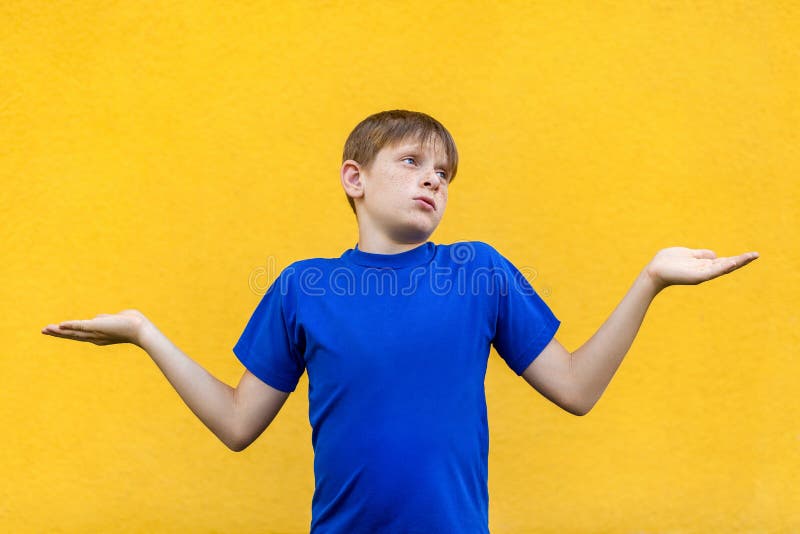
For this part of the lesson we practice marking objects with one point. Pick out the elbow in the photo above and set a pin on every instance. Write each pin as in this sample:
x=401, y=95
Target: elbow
x=579, y=405
x=579, y=411
x=236, y=441
x=579, y=399
x=236, y=445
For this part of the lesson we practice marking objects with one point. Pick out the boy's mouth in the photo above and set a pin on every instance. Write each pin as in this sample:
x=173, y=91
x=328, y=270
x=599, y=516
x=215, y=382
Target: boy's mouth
x=427, y=200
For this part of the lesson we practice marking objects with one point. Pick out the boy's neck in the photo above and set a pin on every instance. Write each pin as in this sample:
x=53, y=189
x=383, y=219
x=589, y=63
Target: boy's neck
x=384, y=246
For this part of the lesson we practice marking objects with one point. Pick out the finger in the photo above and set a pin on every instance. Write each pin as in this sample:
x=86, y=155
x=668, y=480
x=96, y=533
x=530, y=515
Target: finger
x=746, y=258
x=58, y=333
x=72, y=325
x=52, y=328
x=736, y=262
x=58, y=329
x=72, y=334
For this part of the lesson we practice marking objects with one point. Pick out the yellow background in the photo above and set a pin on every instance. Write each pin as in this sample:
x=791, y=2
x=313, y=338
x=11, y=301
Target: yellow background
x=157, y=155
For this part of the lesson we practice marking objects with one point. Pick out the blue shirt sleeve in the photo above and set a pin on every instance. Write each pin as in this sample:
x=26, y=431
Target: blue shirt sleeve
x=525, y=324
x=267, y=347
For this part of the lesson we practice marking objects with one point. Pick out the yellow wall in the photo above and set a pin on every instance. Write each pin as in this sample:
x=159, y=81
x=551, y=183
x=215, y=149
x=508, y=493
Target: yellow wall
x=156, y=154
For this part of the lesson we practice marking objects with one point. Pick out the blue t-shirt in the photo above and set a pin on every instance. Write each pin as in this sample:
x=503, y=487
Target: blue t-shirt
x=396, y=348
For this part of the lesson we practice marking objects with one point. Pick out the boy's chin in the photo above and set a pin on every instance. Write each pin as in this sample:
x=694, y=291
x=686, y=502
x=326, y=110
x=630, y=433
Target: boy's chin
x=423, y=237
x=416, y=235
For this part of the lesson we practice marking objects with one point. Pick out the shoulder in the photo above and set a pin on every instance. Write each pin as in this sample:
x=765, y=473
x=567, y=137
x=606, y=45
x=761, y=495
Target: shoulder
x=480, y=258
x=308, y=266
x=287, y=278
x=468, y=250
x=311, y=276
x=470, y=254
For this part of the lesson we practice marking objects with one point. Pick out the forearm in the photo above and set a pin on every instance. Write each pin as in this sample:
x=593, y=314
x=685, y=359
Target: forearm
x=211, y=400
x=595, y=362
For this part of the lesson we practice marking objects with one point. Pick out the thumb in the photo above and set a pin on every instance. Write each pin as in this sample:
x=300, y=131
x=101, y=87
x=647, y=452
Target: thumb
x=704, y=253
x=72, y=325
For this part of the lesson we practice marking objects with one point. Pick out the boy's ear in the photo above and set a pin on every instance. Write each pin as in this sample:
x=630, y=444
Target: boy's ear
x=352, y=179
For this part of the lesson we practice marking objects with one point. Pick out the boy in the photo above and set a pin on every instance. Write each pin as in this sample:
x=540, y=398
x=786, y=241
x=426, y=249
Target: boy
x=395, y=336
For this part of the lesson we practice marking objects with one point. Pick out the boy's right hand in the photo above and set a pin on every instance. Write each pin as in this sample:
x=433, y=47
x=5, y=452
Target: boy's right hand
x=105, y=329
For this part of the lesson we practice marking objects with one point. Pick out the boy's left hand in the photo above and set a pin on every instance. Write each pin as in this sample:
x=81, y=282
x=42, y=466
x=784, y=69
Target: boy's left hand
x=687, y=266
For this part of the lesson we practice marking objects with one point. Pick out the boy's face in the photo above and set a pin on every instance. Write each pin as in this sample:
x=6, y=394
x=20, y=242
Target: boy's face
x=387, y=192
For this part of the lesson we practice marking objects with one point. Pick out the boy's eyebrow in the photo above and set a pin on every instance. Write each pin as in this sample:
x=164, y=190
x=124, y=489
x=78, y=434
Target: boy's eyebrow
x=418, y=149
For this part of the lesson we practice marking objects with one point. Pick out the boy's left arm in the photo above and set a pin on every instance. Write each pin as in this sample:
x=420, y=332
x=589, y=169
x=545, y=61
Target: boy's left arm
x=576, y=381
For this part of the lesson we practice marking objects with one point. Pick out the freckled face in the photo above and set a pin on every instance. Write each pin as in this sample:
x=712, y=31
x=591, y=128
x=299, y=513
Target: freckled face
x=399, y=175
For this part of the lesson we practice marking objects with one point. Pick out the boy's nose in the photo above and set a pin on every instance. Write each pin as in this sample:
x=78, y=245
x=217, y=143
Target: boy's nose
x=433, y=179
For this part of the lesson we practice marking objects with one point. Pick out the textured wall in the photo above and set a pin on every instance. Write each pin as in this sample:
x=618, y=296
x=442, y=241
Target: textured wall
x=156, y=155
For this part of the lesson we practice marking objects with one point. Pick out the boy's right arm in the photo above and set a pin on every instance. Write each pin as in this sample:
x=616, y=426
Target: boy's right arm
x=256, y=405
x=236, y=416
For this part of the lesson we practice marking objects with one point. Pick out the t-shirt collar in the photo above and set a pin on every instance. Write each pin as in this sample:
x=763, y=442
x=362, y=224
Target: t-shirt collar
x=410, y=258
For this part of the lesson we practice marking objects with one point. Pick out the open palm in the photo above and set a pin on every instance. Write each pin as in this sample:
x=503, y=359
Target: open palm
x=104, y=329
x=686, y=266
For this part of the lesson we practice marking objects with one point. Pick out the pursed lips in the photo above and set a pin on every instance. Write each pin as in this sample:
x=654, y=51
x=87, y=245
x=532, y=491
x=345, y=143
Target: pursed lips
x=428, y=200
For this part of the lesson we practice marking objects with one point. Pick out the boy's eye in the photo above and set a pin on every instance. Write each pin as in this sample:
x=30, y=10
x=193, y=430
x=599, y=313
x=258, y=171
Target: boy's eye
x=442, y=173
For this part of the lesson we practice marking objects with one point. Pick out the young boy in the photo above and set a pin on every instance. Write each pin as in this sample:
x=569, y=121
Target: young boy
x=395, y=335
